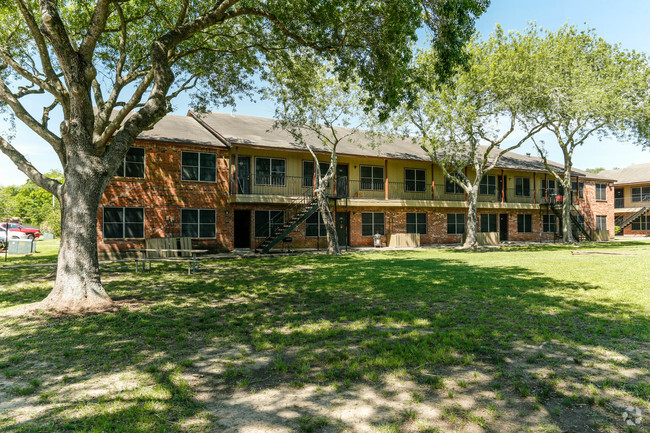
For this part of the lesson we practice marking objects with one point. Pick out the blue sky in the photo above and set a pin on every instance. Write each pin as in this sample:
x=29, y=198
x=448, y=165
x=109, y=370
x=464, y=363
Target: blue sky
x=622, y=21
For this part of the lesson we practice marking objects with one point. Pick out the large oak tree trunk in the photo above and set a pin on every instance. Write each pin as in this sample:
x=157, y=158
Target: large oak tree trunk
x=78, y=285
x=472, y=219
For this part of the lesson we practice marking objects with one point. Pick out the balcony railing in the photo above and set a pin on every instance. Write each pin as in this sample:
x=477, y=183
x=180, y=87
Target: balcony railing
x=619, y=202
x=640, y=198
x=286, y=186
x=294, y=186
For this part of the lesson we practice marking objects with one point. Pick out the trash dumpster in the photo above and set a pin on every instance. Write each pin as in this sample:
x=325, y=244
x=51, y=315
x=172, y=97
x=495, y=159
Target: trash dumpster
x=21, y=246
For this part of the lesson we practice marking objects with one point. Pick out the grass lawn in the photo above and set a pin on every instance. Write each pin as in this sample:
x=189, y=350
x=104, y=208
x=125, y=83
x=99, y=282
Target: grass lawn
x=521, y=339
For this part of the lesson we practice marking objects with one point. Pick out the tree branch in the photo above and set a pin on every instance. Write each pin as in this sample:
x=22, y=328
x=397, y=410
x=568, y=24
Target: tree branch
x=51, y=185
x=276, y=21
x=43, y=52
x=94, y=30
x=19, y=110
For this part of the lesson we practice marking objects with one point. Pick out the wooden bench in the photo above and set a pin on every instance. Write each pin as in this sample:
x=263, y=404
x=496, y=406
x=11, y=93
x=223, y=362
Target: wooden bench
x=168, y=250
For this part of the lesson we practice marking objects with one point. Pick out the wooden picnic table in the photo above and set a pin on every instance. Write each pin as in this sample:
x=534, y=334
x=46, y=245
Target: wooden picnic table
x=193, y=262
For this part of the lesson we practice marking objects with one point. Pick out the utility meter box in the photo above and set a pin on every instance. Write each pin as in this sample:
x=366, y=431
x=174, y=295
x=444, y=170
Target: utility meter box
x=377, y=239
x=21, y=246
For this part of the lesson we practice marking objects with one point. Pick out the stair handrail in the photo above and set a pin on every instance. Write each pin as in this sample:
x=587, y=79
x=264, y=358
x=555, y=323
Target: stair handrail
x=627, y=221
x=584, y=226
x=292, y=208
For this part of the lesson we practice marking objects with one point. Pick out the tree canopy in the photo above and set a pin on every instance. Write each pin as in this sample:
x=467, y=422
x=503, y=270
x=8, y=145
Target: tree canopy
x=113, y=67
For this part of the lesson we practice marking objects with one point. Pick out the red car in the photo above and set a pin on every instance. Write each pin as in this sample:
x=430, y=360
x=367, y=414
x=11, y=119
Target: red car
x=31, y=233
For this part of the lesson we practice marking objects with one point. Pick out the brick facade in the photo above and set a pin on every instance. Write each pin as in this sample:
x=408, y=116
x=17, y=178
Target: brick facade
x=163, y=195
x=592, y=207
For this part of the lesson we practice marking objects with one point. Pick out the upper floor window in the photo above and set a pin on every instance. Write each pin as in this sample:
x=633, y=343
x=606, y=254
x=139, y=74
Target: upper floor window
x=133, y=164
x=548, y=187
x=270, y=171
x=640, y=194
x=414, y=180
x=522, y=186
x=201, y=167
x=308, y=172
x=199, y=223
x=452, y=187
x=601, y=191
x=372, y=177
x=123, y=223
x=488, y=185
x=578, y=187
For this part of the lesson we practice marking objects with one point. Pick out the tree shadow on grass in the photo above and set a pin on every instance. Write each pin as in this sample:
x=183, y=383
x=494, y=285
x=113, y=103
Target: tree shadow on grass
x=341, y=325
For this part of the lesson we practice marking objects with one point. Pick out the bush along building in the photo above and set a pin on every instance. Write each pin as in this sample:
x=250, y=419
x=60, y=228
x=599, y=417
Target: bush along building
x=231, y=181
x=631, y=199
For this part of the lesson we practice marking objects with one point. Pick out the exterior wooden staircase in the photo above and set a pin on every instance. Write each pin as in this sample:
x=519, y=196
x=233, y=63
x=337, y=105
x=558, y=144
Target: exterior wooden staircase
x=298, y=211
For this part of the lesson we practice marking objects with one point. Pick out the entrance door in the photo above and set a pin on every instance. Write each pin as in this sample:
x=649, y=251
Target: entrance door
x=342, y=225
x=619, y=198
x=242, y=229
x=342, y=180
x=244, y=175
x=503, y=226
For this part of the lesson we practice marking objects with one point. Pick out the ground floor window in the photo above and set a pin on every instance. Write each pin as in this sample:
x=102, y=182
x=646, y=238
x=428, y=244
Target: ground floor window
x=199, y=223
x=549, y=223
x=455, y=223
x=372, y=223
x=416, y=222
x=525, y=223
x=266, y=221
x=641, y=223
x=489, y=222
x=601, y=222
x=123, y=223
x=314, y=226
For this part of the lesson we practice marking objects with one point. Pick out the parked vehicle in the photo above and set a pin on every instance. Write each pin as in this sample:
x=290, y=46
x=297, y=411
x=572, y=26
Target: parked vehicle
x=13, y=234
x=31, y=233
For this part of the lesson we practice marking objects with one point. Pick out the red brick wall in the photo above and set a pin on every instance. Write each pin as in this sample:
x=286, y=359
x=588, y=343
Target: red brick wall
x=162, y=194
x=592, y=207
x=395, y=222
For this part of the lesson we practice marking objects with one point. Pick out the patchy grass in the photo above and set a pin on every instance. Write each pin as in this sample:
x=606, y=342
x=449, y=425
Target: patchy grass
x=517, y=339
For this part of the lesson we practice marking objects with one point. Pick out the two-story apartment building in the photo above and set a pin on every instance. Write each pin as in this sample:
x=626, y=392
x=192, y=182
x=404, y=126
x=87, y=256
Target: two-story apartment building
x=228, y=181
x=632, y=198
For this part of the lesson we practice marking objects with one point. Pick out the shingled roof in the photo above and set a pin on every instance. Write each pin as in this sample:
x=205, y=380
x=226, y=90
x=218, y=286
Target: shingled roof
x=637, y=173
x=260, y=132
x=181, y=129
